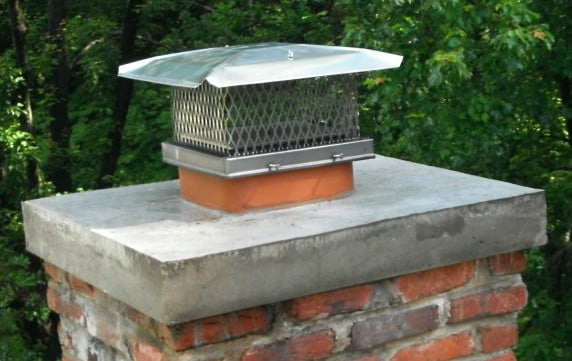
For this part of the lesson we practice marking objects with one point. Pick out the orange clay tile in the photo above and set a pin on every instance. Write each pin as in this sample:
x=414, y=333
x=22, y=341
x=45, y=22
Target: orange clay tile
x=268, y=190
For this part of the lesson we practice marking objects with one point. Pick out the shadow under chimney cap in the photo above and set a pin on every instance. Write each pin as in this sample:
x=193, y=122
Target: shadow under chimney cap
x=256, y=63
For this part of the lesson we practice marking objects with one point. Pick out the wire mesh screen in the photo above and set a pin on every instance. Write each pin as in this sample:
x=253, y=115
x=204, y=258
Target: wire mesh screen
x=269, y=117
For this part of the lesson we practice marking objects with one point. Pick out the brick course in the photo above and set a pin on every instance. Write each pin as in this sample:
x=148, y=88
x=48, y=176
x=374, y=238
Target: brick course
x=329, y=303
x=212, y=329
x=300, y=348
x=422, y=284
x=443, y=314
x=248, y=321
x=488, y=303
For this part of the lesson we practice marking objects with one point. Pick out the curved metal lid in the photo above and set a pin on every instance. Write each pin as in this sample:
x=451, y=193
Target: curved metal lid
x=256, y=63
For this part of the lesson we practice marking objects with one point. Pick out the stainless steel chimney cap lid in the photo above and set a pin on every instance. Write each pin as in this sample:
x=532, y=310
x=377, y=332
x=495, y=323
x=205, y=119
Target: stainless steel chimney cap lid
x=256, y=63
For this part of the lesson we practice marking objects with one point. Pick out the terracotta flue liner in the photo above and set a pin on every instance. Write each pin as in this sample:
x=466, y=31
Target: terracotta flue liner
x=265, y=191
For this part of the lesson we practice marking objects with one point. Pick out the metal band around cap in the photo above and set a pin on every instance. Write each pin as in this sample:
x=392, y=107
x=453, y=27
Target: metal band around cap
x=236, y=167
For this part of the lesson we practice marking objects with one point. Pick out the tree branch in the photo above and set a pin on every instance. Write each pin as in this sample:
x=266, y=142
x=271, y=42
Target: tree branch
x=569, y=169
x=555, y=137
x=90, y=45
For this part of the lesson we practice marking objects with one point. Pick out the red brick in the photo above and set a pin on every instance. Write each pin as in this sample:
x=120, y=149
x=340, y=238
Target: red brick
x=214, y=329
x=108, y=333
x=510, y=300
x=330, y=303
x=507, y=356
x=422, y=284
x=145, y=352
x=498, y=338
x=57, y=304
x=313, y=347
x=178, y=337
x=248, y=321
x=379, y=330
x=488, y=303
x=299, y=348
x=80, y=285
x=444, y=349
x=211, y=330
x=468, y=308
x=507, y=263
x=54, y=272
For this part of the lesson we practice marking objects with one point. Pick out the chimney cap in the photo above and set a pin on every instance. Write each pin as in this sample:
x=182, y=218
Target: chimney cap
x=256, y=63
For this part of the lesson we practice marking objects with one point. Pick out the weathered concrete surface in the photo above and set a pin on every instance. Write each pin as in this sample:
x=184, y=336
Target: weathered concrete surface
x=177, y=261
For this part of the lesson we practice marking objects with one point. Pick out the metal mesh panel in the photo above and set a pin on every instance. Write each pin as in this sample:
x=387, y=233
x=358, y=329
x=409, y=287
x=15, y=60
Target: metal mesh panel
x=267, y=117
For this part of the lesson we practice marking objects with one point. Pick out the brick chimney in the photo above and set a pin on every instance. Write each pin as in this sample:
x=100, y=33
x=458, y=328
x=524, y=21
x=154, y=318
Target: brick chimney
x=418, y=264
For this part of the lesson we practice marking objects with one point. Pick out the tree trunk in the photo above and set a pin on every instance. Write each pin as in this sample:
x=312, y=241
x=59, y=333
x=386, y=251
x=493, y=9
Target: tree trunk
x=123, y=95
x=59, y=163
x=19, y=30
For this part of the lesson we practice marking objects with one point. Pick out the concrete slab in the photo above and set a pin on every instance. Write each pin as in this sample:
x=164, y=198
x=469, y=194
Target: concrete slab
x=177, y=261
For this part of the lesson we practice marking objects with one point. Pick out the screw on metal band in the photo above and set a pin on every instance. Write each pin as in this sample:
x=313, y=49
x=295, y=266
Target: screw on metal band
x=273, y=167
x=337, y=156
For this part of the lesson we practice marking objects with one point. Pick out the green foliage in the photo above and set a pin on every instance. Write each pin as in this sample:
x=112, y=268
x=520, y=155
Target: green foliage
x=22, y=304
x=546, y=333
x=148, y=124
x=21, y=297
x=482, y=89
